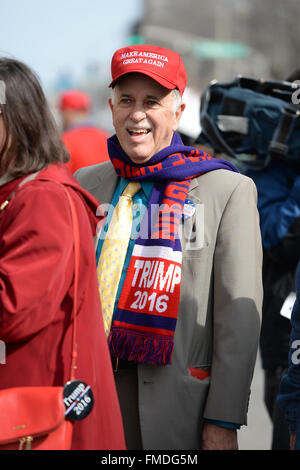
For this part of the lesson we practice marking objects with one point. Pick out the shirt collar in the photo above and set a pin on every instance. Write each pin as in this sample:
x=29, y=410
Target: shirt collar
x=147, y=186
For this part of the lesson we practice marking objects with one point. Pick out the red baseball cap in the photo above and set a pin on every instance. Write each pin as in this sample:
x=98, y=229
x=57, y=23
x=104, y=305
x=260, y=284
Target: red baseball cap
x=73, y=99
x=163, y=65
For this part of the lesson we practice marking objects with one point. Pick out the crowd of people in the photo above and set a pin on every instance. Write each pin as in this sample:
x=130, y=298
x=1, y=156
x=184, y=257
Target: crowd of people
x=166, y=280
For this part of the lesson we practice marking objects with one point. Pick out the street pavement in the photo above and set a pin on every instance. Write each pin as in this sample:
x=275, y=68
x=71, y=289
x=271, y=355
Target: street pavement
x=257, y=435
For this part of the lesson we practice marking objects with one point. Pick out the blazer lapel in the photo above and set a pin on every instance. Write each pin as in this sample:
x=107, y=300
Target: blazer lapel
x=104, y=183
x=194, y=184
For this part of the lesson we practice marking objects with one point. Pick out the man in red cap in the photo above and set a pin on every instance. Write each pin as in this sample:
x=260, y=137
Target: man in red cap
x=179, y=266
x=86, y=143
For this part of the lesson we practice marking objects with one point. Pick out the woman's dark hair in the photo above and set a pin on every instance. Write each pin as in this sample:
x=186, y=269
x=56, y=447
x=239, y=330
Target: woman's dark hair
x=32, y=137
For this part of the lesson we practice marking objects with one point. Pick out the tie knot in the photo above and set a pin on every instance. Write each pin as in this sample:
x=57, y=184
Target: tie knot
x=131, y=189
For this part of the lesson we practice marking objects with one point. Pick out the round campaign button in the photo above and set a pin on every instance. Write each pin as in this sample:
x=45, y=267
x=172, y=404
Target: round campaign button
x=189, y=209
x=78, y=400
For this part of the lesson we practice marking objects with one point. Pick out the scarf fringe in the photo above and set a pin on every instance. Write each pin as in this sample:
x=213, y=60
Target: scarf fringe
x=140, y=347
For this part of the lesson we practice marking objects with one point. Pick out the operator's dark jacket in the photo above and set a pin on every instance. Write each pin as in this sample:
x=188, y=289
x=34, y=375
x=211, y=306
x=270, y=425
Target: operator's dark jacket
x=279, y=207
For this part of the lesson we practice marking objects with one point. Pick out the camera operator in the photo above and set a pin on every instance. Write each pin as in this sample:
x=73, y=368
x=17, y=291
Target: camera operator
x=278, y=187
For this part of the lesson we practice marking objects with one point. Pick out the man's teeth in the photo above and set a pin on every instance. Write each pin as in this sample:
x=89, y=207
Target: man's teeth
x=138, y=131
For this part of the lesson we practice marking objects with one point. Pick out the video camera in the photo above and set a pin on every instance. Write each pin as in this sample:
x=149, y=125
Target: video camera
x=252, y=121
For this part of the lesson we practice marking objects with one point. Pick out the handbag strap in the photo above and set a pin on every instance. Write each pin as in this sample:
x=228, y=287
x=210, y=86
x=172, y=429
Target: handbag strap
x=30, y=177
x=76, y=239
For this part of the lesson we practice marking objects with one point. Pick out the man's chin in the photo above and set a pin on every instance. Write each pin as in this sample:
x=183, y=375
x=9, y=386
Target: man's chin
x=139, y=158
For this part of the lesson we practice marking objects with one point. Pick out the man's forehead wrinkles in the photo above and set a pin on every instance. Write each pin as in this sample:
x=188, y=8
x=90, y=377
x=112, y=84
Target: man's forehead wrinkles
x=145, y=95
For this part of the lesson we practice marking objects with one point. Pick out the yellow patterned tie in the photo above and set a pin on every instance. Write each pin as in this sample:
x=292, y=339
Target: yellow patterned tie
x=113, y=253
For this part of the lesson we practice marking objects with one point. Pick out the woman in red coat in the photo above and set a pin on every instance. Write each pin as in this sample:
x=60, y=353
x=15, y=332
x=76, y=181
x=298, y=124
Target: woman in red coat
x=37, y=263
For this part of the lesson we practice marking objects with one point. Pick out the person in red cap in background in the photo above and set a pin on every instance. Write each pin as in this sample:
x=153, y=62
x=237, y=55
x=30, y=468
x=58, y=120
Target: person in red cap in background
x=86, y=143
x=179, y=266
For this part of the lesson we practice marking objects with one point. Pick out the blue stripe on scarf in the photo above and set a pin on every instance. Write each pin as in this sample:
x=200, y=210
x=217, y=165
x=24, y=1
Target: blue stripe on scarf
x=145, y=319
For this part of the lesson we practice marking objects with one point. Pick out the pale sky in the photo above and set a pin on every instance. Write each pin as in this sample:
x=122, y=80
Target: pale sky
x=53, y=36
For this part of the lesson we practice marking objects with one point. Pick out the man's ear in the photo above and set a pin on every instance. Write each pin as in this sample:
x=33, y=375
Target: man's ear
x=178, y=115
x=110, y=104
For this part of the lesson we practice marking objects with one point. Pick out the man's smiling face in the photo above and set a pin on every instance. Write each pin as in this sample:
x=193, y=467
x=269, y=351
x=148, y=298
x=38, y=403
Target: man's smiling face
x=144, y=116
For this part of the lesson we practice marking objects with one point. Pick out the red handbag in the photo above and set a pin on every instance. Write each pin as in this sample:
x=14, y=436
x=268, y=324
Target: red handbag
x=34, y=417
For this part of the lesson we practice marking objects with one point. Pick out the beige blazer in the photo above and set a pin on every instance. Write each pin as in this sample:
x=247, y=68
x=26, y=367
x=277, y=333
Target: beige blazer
x=219, y=315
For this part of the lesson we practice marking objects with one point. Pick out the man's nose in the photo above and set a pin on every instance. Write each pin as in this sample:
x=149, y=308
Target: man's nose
x=137, y=114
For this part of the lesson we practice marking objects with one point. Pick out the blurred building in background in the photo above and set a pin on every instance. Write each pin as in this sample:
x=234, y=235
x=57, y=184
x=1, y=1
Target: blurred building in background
x=218, y=39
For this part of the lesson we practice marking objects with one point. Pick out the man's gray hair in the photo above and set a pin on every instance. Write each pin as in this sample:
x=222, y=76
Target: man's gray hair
x=177, y=99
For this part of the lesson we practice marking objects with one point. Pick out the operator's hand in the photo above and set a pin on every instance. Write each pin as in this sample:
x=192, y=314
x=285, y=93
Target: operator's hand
x=292, y=441
x=218, y=438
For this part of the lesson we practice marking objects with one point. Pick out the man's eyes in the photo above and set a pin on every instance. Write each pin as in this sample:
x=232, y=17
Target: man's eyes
x=149, y=103
x=152, y=102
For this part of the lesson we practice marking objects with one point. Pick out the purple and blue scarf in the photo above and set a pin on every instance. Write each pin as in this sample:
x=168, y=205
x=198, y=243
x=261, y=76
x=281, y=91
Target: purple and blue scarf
x=145, y=319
